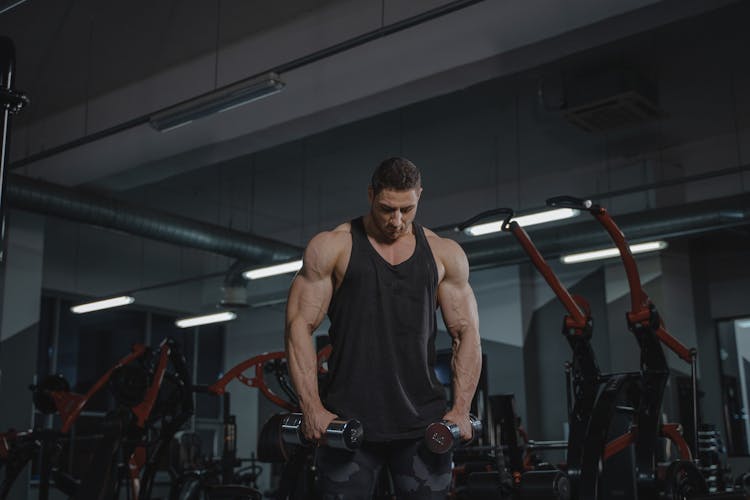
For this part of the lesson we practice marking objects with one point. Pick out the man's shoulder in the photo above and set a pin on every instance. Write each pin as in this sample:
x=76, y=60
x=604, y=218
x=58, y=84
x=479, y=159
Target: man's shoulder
x=346, y=228
x=448, y=254
x=326, y=250
x=334, y=238
x=441, y=245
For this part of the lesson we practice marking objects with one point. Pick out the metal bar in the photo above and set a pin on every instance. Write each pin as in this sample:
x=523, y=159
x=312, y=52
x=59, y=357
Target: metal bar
x=568, y=395
x=694, y=396
x=547, y=445
x=7, y=66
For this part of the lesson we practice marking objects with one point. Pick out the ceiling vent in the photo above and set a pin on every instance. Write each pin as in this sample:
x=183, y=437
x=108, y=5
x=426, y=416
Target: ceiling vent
x=610, y=100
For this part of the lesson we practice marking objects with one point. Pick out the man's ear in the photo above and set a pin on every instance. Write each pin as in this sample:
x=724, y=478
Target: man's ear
x=370, y=194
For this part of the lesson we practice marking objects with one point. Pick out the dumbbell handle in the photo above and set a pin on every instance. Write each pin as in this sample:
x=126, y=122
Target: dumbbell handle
x=341, y=434
x=442, y=436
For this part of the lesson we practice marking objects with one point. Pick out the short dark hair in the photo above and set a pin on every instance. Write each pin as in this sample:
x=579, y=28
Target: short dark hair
x=396, y=173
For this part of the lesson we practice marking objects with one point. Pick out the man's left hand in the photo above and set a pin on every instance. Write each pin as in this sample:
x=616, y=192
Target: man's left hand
x=464, y=423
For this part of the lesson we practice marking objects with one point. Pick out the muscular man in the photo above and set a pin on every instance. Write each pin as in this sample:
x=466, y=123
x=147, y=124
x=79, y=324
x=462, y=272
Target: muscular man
x=380, y=279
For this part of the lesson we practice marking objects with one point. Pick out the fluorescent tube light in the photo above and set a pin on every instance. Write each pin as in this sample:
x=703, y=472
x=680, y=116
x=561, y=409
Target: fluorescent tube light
x=607, y=253
x=222, y=99
x=102, y=304
x=9, y=5
x=523, y=220
x=205, y=319
x=743, y=323
x=265, y=272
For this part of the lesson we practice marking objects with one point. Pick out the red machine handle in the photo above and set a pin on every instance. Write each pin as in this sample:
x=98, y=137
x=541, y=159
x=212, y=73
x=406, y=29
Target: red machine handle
x=639, y=301
x=70, y=404
x=640, y=304
x=258, y=381
x=576, y=319
x=143, y=410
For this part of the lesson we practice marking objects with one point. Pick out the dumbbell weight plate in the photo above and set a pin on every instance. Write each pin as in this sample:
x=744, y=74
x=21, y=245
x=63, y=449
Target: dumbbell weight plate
x=291, y=433
x=271, y=447
x=441, y=437
x=344, y=434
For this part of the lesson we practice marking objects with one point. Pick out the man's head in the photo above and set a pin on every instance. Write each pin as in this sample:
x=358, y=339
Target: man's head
x=398, y=174
x=394, y=194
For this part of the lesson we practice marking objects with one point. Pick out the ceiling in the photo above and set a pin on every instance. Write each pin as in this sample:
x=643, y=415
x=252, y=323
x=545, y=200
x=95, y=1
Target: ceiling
x=95, y=72
x=363, y=77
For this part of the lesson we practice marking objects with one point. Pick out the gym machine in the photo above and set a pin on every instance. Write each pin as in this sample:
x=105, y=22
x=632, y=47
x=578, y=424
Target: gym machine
x=597, y=398
x=217, y=477
x=638, y=393
x=225, y=476
x=140, y=428
x=683, y=478
x=586, y=380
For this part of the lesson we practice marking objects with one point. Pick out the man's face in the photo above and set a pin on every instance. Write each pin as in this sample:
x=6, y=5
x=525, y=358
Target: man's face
x=393, y=211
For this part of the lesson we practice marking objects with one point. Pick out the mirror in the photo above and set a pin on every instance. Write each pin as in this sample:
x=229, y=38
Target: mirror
x=734, y=355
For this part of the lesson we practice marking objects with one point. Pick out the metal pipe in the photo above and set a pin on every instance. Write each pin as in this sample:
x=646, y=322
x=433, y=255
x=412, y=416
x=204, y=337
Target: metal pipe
x=90, y=208
x=82, y=206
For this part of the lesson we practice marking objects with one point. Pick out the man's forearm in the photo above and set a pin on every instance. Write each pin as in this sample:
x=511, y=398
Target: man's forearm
x=303, y=367
x=467, y=367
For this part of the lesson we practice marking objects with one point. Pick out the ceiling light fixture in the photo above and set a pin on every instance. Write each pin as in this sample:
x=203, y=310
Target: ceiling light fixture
x=265, y=272
x=607, y=253
x=523, y=220
x=206, y=319
x=220, y=100
x=102, y=304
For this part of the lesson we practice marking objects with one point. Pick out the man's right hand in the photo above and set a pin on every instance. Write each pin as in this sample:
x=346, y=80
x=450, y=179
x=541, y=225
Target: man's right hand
x=316, y=422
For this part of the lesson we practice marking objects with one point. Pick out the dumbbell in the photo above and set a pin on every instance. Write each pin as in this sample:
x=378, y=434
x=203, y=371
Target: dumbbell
x=441, y=437
x=341, y=434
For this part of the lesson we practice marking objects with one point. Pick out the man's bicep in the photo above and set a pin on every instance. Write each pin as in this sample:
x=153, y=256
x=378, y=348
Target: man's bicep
x=456, y=298
x=458, y=306
x=308, y=300
x=312, y=288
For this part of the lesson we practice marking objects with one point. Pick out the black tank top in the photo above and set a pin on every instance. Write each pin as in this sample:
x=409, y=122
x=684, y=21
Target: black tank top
x=383, y=326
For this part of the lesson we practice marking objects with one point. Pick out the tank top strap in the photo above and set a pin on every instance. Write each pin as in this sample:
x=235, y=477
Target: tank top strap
x=419, y=233
x=359, y=235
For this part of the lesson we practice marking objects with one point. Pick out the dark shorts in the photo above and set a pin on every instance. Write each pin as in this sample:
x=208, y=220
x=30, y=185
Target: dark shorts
x=416, y=472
